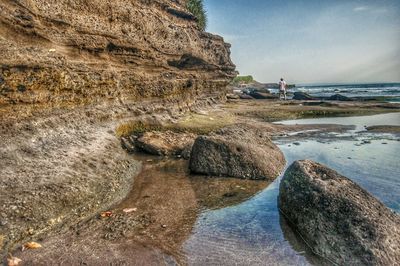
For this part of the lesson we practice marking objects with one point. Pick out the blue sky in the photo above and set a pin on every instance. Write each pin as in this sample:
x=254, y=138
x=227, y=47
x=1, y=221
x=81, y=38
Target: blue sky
x=311, y=41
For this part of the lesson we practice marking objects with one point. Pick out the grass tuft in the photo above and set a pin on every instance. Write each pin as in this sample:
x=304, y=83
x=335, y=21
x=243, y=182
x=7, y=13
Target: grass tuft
x=192, y=123
x=196, y=7
x=134, y=128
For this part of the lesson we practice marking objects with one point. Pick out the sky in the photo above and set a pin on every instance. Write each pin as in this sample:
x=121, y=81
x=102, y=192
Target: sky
x=311, y=41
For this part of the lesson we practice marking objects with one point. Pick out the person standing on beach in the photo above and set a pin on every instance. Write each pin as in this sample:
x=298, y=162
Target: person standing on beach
x=282, y=89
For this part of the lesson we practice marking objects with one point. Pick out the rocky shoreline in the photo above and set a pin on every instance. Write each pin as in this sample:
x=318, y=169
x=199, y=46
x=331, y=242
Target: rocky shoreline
x=164, y=143
x=70, y=75
x=85, y=90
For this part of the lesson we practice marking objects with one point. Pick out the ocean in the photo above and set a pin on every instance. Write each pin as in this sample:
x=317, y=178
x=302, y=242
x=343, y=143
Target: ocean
x=390, y=91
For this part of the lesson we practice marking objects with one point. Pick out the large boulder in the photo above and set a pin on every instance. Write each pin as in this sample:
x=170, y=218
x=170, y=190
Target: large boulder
x=245, y=97
x=339, y=97
x=240, y=151
x=262, y=95
x=302, y=96
x=164, y=143
x=338, y=219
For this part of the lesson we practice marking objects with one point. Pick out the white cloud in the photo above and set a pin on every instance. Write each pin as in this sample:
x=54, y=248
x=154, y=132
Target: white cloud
x=361, y=8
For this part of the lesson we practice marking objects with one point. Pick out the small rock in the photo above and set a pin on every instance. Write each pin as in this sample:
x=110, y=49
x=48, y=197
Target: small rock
x=106, y=214
x=129, y=210
x=128, y=144
x=13, y=261
x=31, y=245
x=164, y=143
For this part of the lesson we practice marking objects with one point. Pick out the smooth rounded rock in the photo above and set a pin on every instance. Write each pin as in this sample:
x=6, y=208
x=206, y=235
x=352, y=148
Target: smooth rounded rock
x=298, y=95
x=337, y=218
x=239, y=151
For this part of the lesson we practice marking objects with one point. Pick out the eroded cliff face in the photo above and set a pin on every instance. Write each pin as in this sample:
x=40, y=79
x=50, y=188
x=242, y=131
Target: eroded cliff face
x=70, y=72
x=68, y=52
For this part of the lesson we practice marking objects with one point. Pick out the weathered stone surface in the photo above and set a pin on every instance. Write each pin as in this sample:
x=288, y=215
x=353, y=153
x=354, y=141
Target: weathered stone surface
x=232, y=96
x=339, y=97
x=67, y=53
x=262, y=95
x=165, y=143
x=240, y=151
x=70, y=72
x=298, y=95
x=245, y=97
x=337, y=218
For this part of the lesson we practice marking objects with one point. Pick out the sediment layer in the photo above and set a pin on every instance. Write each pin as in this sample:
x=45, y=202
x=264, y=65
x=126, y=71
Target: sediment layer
x=70, y=73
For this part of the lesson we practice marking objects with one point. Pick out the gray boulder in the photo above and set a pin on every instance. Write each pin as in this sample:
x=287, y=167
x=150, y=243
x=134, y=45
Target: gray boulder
x=298, y=95
x=245, y=97
x=338, y=219
x=339, y=97
x=240, y=151
x=263, y=95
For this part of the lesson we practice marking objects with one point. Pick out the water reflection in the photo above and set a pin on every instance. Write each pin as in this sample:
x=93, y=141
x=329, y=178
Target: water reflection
x=249, y=233
x=360, y=122
x=297, y=243
x=170, y=196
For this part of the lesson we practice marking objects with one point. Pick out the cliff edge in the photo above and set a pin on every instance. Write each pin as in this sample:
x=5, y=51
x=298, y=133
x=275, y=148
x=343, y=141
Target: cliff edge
x=91, y=51
x=70, y=72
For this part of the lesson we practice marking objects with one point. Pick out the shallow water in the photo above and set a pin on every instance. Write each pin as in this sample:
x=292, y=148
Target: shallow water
x=254, y=233
x=360, y=122
x=389, y=92
x=355, y=90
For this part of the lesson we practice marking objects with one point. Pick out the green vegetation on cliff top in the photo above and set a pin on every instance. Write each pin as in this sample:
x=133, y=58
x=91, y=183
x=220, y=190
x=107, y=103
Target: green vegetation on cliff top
x=243, y=79
x=196, y=7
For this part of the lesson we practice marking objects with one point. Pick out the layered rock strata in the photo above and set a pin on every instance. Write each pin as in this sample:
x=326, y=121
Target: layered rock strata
x=70, y=73
x=90, y=51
